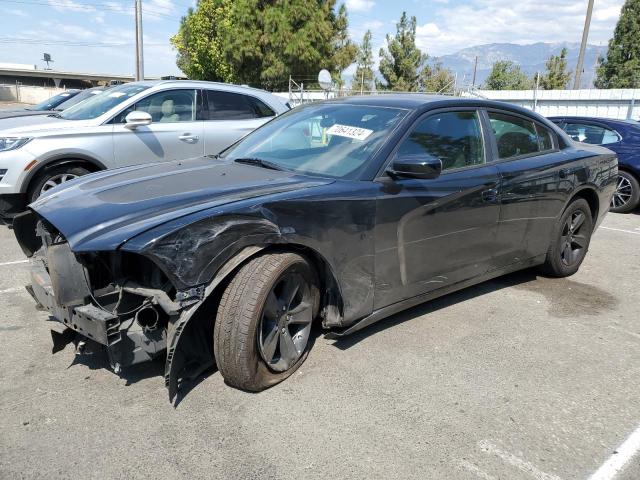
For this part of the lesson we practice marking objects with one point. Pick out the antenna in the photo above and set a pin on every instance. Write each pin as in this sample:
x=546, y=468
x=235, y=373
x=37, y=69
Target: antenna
x=46, y=57
x=324, y=79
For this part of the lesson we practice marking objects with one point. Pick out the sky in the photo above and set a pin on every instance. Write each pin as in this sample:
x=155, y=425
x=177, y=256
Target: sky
x=98, y=35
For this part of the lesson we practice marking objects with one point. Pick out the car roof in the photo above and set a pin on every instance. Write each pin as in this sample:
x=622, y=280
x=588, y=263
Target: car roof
x=419, y=101
x=196, y=84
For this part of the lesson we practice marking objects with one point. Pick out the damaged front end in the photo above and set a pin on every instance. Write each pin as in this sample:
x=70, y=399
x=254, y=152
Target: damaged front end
x=118, y=301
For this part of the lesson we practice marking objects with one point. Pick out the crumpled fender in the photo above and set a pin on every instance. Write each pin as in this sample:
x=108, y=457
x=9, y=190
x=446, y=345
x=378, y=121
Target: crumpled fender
x=189, y=355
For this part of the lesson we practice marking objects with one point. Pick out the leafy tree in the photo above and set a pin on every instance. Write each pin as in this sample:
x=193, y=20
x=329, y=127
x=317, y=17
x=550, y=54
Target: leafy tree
x=261, y=43
x=505, y=75
x=621, y=67
x=198, y=41
x=363, y=77
x=402, y=62
x=437, y=79
x=556, y=76
x=345, y=51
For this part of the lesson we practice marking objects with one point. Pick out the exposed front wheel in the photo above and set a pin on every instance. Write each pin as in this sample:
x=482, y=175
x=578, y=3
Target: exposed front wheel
x=627, y=194
x=263, y=326
x=570, y=240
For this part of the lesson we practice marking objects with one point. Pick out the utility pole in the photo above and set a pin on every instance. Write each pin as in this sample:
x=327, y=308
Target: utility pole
x=583, y=46
x=475, y=69
x=139, y=53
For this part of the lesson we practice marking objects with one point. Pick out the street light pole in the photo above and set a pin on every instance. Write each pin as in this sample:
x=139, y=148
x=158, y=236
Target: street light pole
x=583, y=46
x=139, y=53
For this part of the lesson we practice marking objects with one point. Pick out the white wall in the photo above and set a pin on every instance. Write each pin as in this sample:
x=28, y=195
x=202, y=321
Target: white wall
x=26, y=93
x=614, y=103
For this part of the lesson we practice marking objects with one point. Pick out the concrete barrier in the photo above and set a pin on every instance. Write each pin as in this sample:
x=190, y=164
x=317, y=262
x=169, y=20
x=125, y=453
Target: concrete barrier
x=26, y=93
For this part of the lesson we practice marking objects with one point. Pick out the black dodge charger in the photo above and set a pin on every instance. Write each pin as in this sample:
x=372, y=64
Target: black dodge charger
x=342, y=212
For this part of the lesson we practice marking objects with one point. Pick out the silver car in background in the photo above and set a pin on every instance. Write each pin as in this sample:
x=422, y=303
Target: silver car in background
x=134, y=123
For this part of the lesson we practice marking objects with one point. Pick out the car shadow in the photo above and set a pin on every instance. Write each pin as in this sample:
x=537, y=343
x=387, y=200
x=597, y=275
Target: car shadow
x=133, y=374
x=510, y=280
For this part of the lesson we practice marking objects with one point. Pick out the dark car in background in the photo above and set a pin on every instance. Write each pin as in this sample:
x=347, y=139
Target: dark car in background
x=57, y=103
x=620, y=136
x=344, y=212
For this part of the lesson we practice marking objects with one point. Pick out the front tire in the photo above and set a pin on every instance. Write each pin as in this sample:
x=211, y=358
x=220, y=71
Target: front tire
x=52, y=178
x=262, y=332
x=570, y=240
x=627, y=194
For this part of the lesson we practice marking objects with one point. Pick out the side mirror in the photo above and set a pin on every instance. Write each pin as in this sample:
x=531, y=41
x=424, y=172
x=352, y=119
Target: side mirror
x=422, y=166
x=137, y=119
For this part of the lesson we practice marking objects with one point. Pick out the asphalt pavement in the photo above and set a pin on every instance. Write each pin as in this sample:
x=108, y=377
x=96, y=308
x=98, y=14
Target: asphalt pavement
x=522, y=378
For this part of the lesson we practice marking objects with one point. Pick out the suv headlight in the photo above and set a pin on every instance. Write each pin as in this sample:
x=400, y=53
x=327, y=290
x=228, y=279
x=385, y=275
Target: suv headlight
x=11, y=143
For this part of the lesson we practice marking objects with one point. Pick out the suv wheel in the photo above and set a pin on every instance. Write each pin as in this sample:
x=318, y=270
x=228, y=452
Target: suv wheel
x=263, y=326
x=570, y=240
x=627, y=194
x=52, y=178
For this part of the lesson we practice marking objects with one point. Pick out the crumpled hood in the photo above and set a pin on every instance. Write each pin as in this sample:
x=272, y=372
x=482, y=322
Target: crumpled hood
x=101, y=211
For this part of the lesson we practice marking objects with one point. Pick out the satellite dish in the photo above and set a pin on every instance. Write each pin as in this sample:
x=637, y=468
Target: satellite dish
x=324, y=79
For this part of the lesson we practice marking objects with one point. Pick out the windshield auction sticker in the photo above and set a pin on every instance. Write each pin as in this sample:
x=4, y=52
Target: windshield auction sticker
x=349, y=132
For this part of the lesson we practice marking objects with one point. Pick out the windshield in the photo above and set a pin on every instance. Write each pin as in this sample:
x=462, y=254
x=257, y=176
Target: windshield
x=334, y=140
x=53, y=102
x=102, y=103
x=83, y=95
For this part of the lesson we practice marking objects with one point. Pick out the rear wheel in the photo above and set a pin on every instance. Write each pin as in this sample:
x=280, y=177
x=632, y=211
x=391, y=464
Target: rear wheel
x=627, y=194
x=53, y=177
x=570, y=240
x=263, y=326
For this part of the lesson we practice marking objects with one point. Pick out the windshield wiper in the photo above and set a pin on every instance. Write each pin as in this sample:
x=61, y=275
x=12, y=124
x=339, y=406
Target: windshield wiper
x=54, y=115
x=258, y=162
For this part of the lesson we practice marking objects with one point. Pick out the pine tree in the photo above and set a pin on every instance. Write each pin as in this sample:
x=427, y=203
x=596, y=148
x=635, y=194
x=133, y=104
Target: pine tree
x=363, y=77
x=621, y=67
x=505, y=75
x=556, y=76
x=261, y=43
x=402, y=62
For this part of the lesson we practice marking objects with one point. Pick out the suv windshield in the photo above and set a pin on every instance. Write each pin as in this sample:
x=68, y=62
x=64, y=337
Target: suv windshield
x=53, y=102
x=102, y=103
x=334, y=140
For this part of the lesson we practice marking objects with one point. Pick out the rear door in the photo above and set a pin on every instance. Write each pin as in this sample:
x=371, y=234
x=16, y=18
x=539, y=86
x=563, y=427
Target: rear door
x=535, y=180
x=230, y=116
x=437, y=232
x=176, y=131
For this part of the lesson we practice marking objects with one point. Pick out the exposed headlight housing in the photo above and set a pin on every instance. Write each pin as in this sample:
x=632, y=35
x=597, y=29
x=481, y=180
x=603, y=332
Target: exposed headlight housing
x=11, y=143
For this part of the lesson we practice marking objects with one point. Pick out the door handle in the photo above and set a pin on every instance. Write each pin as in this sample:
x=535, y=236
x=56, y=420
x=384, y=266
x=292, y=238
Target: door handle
x=490, y=195
x=188, y=138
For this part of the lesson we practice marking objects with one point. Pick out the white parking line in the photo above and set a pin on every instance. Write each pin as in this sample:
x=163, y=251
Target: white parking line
x=621, y=230
x=16, y=262
x=12, y=290
x=616, y=462
x=517, y=462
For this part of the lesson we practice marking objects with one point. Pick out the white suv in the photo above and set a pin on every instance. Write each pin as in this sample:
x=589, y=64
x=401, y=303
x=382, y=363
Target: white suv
x=138, y=122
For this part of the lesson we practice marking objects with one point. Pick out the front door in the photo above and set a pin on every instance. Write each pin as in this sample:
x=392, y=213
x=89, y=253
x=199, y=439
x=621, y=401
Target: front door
x=438, y=232
x=176, y=131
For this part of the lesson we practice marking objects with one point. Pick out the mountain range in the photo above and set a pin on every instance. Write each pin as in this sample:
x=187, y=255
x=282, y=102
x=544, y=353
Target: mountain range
x=531, y=58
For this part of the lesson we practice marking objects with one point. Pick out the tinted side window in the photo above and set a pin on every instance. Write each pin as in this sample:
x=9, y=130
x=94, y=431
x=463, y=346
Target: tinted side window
x=261, y=108
x=170, y=106
x=229, y=106
x=544, y=138
x=514, y=135
x=590, y=134
x=453, y=137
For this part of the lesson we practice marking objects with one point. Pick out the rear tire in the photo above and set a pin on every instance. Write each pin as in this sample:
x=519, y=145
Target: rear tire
x=627, y=194
x=53, y=177
x=262, y=332
x=570, y=240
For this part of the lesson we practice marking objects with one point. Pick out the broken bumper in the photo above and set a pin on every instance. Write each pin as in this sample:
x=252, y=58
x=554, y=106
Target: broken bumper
x=126, y=342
